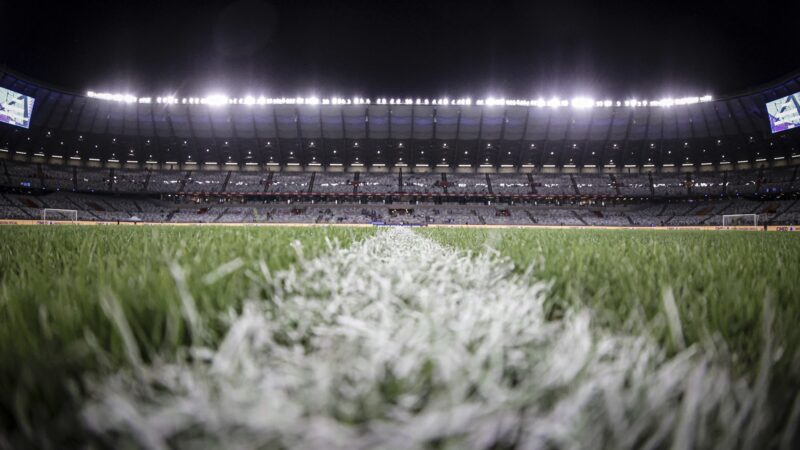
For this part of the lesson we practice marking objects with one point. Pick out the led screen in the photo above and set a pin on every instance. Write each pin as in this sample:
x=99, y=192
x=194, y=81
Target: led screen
x=15, y=108
x=784, y=113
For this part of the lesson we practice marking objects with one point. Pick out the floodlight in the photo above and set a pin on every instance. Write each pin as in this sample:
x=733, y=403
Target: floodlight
x=582, y=103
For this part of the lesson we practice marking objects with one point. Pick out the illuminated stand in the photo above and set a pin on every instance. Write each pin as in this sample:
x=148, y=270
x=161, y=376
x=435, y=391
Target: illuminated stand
x=50, y=215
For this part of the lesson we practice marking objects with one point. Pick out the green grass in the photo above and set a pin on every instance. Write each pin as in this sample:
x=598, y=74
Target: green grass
x=58, y=286
x=719, y=280
x=53, y=280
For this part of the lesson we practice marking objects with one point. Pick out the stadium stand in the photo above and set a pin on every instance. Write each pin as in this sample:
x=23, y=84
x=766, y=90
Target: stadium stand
x=670, y=186
x=476, y=184
x=247, y=182
x=510, y=184
x=378, y=183
x=91, y=180
x=165, y=181
x=778, y=180
x=706, y=184
x=556, y=216
x=205, y=181
x=595, y=185
x=129, y=180
x=423, y=183
x=686, y=164
x=233, y=196
x=552, y=184
x=112, y=208
x=22, y=175
x=634, y=185
x=744, y=182
x=58, y=178
x=333, y=183
x=290, y=183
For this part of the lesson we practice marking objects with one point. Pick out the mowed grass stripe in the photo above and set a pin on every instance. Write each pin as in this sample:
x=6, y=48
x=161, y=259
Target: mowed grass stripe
x=53, y=329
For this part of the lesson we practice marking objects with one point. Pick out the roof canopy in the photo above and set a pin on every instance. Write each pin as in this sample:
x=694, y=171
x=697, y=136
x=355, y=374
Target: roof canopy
x=68, y=125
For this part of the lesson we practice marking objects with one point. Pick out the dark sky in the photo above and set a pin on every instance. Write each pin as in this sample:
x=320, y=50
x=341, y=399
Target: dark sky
x=402, y=48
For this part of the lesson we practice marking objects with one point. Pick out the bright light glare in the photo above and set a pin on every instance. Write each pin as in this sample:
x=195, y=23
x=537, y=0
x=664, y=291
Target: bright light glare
x=554, y=102
x=582, y=103
x=215, y=100
x=123, y=98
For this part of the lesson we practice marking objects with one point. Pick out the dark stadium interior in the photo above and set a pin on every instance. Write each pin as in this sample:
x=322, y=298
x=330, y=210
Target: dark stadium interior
x=511, y=48
x=399, y=224
x=508, y=49
x=608, y=161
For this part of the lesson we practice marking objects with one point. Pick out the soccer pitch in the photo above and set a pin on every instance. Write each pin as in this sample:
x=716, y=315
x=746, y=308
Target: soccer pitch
x=243, y=337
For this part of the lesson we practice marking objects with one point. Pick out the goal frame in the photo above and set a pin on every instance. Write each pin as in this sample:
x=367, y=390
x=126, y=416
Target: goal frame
x=726, y=218
x=72, y=212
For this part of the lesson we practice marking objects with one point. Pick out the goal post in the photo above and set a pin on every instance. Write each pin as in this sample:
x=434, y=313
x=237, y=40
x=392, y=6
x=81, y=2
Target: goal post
x=50, y=215
x=740, y=220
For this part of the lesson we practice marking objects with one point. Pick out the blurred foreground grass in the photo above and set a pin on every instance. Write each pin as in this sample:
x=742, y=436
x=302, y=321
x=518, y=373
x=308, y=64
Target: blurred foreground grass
x=54, y=281
x=59, y=287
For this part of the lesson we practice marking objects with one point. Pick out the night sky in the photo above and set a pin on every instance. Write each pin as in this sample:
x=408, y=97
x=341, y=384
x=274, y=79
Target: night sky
x=518, y=49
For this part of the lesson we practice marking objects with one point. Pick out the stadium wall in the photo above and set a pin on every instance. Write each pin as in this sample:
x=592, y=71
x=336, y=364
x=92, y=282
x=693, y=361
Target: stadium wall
x=785, y=228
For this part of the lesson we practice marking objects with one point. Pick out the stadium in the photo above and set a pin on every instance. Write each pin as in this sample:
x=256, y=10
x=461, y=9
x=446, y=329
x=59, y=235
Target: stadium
x=581, y=162
x=326, y=271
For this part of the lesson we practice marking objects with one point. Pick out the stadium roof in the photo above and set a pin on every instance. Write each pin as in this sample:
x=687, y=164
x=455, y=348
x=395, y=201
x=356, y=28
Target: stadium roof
x=74, y=126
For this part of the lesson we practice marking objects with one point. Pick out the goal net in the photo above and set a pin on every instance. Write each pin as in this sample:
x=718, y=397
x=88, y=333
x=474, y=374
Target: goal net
x=740, y=220
x=50, y=215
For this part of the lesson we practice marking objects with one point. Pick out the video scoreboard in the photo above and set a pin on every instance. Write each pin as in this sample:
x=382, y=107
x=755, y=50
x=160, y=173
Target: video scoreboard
x=15, y=108
x=784, y=113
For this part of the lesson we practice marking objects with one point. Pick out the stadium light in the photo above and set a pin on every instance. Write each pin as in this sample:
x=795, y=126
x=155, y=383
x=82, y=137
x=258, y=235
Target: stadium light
x=122, y=98
x=582, y=103
x=554, y=102
x=215, y=100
